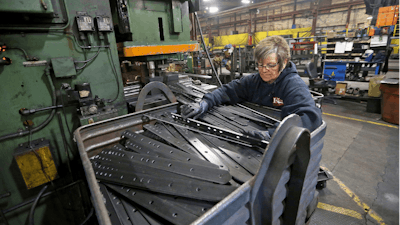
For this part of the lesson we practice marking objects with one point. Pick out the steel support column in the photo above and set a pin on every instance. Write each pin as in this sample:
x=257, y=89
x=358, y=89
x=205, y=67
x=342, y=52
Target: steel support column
x=235, y=23
x=255, y=22
x=315, y=17
x=294, y=15
x=348, y=16
x=218, y=25
x=209, y=31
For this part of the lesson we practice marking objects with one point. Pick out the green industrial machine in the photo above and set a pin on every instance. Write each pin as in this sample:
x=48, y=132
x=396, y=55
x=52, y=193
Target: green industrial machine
x=60, y=68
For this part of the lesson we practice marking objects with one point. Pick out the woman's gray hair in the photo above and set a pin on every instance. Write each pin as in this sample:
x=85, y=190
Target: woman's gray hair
x=273, y=44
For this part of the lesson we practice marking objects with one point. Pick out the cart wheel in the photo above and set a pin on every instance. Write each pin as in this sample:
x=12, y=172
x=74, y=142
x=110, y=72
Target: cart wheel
x=321, y=185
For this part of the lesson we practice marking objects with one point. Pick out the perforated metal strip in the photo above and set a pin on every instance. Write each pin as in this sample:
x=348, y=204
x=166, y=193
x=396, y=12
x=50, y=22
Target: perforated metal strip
x=145, y=145
x=173, y=166
x=214, y=131
x=134, y=214
x=194, y=206
x=119, y=209
x=163, y=133
x=107, y=201
x=187, y=187
x=162, y=208
x=246, y=160
x=235, y=170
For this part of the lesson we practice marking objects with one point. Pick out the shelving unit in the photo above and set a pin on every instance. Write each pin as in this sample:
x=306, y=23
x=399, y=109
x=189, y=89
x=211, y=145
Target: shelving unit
x=303, y=50
x=361, y=43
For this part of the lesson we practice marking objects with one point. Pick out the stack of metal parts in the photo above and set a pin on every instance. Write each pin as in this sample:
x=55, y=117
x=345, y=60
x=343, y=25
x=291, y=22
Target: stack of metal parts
x=132, y=90
x=177, y=169
x=236, y=121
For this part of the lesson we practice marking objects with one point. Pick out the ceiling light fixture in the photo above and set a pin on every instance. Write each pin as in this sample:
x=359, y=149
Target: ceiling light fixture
x=213, y=9
x=246, y=1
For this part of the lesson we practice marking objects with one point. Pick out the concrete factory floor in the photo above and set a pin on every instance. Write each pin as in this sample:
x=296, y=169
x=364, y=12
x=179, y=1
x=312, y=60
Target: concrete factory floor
x=362, y=152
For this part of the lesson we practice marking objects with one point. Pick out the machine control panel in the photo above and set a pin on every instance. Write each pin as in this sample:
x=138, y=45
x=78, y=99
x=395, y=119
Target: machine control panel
x=104, y=23
x=84, y=22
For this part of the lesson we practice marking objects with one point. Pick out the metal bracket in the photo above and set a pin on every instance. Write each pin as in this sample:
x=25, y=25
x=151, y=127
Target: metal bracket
x=149, y=87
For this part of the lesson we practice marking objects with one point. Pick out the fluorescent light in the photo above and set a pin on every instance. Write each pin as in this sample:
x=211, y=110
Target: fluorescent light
x=246, y=1
x=369, y=18
x=206, y=0
x=213, y=9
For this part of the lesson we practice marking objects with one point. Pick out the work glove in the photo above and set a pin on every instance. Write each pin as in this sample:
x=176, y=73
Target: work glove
x=194, y=110
x=263, y=135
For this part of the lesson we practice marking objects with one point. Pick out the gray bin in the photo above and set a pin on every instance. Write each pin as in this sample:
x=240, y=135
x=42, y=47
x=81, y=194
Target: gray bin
x=259, y=200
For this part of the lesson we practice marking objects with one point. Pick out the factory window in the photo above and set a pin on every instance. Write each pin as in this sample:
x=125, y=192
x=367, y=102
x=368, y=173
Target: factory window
x=161, y=28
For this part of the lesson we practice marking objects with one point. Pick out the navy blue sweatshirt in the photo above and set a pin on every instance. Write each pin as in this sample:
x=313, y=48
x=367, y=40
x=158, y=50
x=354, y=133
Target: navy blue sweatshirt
x=288, y=93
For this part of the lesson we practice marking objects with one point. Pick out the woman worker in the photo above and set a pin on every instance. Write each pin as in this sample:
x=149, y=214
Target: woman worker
x=277, y=84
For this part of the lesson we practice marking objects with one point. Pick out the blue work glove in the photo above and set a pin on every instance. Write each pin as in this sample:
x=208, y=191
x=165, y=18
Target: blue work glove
x=263, y=135
x=194, y=110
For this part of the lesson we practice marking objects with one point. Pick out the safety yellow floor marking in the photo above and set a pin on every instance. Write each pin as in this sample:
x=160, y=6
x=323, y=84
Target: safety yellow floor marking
x=340, y=210
x=365, y=121
x=356, y=199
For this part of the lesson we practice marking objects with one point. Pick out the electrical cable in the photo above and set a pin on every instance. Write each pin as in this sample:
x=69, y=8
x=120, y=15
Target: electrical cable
x=86, y=62
x=44, y=123
x=65, y=114
x=26, y=55
x=205, y=47
x=89, y=60
x=84, y=47
x=60, y=123
x=48, y=178
x=115, y=75
x=88, y=217
x=32, y=211
x=82, y=67
x=22, y=204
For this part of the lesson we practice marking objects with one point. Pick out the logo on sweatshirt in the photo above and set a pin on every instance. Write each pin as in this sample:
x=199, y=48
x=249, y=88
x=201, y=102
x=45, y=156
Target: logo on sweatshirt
x=277, y=101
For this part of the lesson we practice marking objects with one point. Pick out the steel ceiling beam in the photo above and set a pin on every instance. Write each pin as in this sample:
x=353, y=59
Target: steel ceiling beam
x=293, y=13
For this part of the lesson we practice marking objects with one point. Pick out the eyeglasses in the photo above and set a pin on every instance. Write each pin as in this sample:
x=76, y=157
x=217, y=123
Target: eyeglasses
x=268, y=66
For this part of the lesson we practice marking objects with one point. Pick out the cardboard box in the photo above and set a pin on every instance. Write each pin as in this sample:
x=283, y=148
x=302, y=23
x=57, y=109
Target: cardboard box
x=331, y=34
x=341, y=88
x=351, y=34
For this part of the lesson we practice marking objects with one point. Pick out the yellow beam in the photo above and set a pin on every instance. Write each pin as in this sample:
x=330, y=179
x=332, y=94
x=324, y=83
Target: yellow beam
x=159, y=49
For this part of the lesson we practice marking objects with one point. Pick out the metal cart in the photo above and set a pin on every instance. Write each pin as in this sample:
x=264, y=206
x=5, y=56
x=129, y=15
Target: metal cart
x=282, y=192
